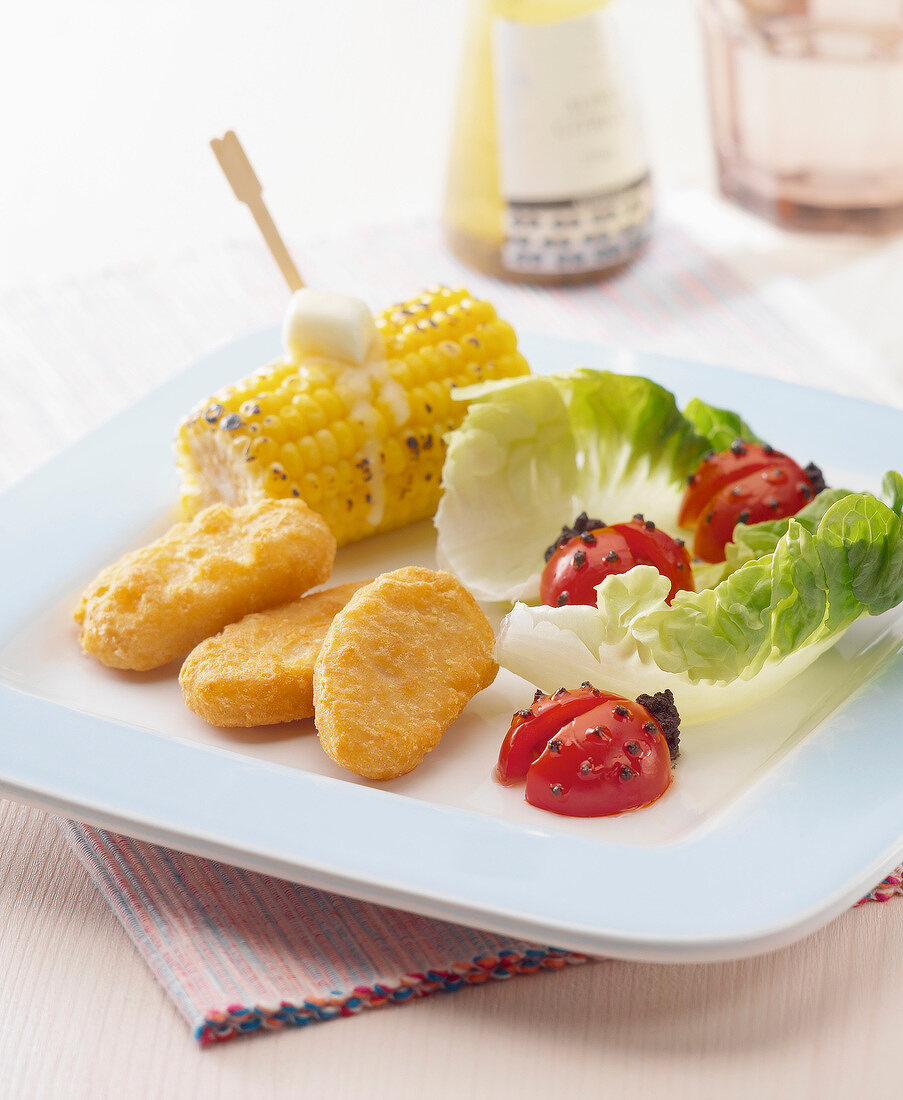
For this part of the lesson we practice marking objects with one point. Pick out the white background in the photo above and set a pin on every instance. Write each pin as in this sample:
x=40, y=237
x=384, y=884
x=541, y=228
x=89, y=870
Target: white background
x=344, y=106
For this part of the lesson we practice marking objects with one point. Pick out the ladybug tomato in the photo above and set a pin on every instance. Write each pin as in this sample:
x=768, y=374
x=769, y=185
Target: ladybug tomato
x=585, y=554
x=613, y=755
x=772, y=493
x=531, y=729
x=749, y=483
x=720, y=468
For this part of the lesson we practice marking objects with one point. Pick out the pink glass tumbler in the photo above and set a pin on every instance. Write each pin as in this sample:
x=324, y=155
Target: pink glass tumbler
x=807, y=109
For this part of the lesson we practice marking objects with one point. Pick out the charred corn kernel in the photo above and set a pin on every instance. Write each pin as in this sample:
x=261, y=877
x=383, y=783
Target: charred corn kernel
x=394, y=457
x=362, y=444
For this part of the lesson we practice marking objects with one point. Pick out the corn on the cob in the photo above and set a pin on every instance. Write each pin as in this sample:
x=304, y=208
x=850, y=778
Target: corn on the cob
x=362, y=445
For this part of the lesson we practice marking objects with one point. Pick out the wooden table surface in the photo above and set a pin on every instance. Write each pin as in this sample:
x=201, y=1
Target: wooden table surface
x=82, y=1016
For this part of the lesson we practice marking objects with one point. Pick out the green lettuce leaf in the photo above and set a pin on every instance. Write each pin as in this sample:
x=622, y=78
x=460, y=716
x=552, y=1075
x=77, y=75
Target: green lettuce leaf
x=535, y=452
x=724, y=648
x=720, y=426
x=892, y=490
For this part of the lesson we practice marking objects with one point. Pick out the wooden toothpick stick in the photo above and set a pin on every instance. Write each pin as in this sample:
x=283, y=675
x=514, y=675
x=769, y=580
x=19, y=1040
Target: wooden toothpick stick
x=237, y=168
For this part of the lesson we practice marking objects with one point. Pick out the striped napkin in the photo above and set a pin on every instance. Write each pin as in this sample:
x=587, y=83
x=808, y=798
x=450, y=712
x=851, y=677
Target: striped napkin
x=240, y=952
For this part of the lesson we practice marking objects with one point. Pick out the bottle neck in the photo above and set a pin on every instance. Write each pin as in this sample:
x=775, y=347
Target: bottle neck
x=539, y=12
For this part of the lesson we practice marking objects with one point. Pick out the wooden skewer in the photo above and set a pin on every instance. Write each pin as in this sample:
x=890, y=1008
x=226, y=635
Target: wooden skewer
x=238, y=171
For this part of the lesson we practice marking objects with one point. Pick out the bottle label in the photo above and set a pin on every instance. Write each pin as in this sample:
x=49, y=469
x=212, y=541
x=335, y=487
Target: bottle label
x=572, y=168
x=567, y=238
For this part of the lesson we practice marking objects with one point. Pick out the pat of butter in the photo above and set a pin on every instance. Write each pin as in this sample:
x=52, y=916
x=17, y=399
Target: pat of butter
x=319, y=323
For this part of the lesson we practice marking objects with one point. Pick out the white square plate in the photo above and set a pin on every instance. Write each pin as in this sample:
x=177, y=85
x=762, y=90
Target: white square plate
x=777, y=819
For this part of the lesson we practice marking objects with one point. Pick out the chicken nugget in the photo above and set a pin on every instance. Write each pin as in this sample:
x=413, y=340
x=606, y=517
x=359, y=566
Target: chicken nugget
x=398, y=666
x=158, y=602
x=260, y=670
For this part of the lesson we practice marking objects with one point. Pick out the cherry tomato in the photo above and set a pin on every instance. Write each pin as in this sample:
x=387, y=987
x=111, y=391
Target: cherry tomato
x=594, y=753
x=585, y=554
x=531, y=729
x=772, y=493
x=721, y=468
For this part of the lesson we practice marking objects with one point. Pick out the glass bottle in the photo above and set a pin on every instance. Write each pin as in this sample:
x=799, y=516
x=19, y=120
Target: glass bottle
x=548, y=178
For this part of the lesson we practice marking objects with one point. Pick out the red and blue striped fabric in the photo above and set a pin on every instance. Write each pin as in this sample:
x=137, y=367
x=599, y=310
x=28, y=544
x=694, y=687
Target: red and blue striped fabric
x=241, y=952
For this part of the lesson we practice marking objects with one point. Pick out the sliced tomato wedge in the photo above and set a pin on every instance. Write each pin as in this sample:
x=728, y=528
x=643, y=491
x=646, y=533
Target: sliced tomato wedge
x=531, y=729
x=721, y=468
x=772, y=493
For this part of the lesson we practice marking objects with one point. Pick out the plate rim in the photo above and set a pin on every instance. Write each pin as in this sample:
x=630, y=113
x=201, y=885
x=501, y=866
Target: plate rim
x=41, y=767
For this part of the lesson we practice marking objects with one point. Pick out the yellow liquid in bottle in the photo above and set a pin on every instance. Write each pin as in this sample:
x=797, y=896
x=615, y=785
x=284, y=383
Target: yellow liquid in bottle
x=547, y=178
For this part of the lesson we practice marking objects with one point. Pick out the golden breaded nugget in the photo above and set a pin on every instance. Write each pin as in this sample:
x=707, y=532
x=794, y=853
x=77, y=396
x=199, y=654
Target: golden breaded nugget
x=158, y=602
x=398, y=666
x=260, y=670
